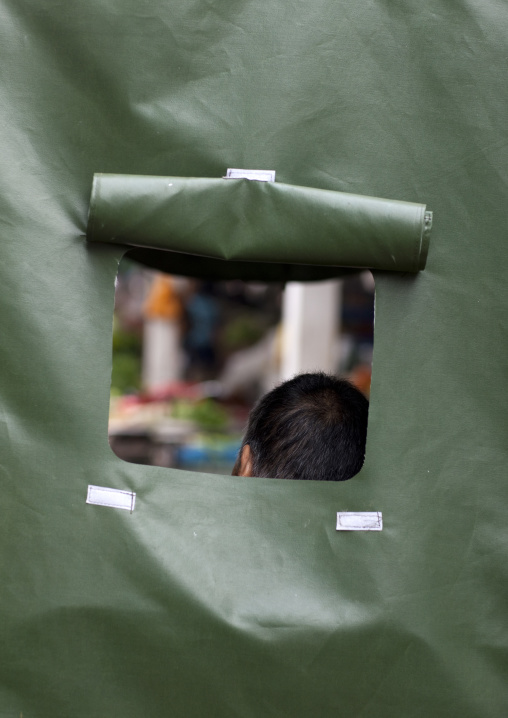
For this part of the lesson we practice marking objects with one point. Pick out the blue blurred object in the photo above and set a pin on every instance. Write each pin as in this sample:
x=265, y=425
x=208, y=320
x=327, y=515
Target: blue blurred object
x=213, y=456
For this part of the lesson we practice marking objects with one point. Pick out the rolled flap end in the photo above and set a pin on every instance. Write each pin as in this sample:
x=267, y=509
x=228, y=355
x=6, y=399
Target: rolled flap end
x=94, y=200
x=425, y=240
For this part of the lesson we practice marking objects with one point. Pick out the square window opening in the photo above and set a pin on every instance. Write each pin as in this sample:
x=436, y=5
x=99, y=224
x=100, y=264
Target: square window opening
x=191, y=357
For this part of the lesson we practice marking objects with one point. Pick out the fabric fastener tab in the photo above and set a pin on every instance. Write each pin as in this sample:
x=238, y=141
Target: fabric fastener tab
x=259, y=175
x=359, y=521
x=115, y=498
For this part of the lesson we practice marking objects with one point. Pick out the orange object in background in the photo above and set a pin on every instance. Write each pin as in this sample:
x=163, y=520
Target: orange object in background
x=360, y=377
x=163, y=301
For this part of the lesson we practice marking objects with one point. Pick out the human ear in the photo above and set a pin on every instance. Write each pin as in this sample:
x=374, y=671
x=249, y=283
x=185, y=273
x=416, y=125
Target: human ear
x=243, y=466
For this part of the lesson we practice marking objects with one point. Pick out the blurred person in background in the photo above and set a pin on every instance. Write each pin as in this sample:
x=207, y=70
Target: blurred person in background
x=201, y=320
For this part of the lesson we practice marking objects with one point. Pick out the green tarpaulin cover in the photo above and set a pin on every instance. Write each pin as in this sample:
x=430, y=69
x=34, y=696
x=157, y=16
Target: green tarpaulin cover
x=221, y=596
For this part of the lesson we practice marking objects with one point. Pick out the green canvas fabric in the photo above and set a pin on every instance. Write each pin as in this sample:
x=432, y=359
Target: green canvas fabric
x=259, y=222
x=220, y=596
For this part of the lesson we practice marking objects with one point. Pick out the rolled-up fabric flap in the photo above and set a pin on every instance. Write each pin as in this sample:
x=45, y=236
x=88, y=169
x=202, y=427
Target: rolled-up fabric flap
x=250, y=221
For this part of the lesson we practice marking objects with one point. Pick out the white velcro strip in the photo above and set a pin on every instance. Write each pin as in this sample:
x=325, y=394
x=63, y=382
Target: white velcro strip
x=102, y=496
x=359, y=521
x=259, y=175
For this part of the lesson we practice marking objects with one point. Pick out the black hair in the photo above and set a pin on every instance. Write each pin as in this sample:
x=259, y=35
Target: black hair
x=312, y=427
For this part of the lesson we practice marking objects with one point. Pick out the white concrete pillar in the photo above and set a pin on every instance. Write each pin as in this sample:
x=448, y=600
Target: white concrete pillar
x=310, y=327
x=162, y=355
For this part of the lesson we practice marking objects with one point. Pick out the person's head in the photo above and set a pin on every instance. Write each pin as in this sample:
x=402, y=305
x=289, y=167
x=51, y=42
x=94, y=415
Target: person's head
x=311, y=427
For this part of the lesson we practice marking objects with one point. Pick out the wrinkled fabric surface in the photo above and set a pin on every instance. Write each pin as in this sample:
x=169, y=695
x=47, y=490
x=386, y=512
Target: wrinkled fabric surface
x=221, y=596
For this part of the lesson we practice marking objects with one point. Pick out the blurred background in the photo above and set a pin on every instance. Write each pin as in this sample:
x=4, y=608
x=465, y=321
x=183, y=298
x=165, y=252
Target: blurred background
x=190, y=358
